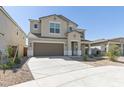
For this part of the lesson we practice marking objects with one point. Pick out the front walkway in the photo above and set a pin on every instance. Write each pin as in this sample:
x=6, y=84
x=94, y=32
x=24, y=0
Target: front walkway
x=63, y=71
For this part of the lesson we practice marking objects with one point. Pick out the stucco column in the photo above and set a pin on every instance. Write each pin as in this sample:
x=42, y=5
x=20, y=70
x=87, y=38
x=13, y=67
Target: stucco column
x=122, y=49
x=89, y=52
x=83, y=50
x=107, y=46
x=69, y=48
x=30, y=49
x=65, y=49
x=79, y=49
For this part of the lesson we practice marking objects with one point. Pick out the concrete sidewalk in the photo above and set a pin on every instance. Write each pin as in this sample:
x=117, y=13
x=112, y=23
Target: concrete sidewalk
x=101, y=76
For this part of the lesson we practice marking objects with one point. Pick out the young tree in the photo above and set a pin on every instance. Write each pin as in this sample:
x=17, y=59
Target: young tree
x=113, y=52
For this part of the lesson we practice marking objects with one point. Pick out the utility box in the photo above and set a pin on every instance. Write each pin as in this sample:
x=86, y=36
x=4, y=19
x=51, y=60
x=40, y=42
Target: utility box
x=3, y=57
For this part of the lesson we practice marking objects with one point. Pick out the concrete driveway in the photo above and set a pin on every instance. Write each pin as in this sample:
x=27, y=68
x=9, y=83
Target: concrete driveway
x=65, y=72
x=49, y=66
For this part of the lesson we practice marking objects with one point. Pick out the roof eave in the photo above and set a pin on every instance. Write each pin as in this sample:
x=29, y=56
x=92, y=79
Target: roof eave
x=60, y=17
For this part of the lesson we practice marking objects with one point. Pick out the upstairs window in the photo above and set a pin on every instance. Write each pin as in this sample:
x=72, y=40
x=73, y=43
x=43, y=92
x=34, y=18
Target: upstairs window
x=82, y=36
x=70, y=29
x=54, y=28
x=35, y=26
x=17, y=33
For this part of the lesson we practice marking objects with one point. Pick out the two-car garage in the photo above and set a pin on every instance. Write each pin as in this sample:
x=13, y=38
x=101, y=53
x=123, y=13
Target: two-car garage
x=48, y=49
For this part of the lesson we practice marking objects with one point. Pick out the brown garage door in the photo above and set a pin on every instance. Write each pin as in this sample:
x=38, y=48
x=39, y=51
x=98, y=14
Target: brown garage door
x=48, y=49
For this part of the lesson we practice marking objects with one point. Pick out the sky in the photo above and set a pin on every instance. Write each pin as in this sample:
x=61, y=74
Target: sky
x=100, y=22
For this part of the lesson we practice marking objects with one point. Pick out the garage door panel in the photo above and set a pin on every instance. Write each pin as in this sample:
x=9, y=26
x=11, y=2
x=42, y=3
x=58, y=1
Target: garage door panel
x=48, y=49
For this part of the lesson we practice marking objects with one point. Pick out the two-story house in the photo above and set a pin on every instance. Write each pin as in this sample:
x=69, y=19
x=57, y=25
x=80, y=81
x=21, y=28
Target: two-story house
x=56, y=35
x=11, y=34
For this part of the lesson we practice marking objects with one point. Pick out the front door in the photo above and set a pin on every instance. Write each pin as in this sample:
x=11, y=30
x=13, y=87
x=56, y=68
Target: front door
x=74, y=48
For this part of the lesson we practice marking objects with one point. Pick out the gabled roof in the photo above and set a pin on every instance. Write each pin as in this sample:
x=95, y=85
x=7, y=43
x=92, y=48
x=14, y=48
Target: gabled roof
x=62, y=17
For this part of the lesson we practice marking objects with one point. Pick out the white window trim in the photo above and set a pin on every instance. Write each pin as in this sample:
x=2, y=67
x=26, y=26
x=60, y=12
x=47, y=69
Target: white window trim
x=55, y=23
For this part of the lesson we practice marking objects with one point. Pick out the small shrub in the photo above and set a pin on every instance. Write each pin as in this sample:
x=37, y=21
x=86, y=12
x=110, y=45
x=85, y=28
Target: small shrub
x=7, y=66
x=9, y=51
x=103, y=54
x=85, y=57
x=17, y=60
x=4, y=66
x=113, y=52
x=10, y=64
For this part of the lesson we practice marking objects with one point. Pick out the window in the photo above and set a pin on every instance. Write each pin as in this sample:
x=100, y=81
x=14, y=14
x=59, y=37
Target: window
x=35, y=26
x=54, y=28
x=70, y=29
x=51, y=27
x=82, y=36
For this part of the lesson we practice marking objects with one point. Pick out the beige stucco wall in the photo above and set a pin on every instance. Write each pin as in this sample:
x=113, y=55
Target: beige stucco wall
x=32, y=29
x=45, y=26
x=10, y=30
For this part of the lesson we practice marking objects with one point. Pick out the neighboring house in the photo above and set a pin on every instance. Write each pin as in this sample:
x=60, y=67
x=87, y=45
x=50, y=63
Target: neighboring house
x=10, y=33
x=56, y=35
x=104, y=44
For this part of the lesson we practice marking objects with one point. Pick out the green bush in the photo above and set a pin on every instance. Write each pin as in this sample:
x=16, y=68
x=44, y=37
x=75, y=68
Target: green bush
x=113, y=52
x=5, y=66
x=9, y=51
x=10, y=64
x=17, y=60
x=103, y=53
x=85, y=57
